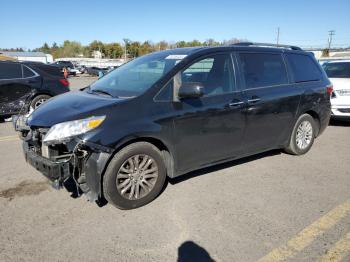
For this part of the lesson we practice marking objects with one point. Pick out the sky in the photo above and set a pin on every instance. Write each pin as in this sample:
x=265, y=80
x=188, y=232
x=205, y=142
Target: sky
x=30, y=23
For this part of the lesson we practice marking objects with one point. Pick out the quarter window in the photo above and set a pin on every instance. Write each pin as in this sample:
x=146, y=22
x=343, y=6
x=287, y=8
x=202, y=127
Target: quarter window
x=261, y=70
x=27, y=72
x=10, y=71
x=304, y=68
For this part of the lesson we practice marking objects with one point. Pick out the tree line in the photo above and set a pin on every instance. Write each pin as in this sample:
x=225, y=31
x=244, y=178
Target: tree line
x=117, y=50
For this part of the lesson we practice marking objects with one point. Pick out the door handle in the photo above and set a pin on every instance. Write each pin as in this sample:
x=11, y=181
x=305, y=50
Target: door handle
x=253, y=100
x=233, y=104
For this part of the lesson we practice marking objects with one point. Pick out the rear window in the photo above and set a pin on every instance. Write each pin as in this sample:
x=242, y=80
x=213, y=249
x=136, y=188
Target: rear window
x=337, y=70
x=304, y=68
x=10, y=71
x=261, y=70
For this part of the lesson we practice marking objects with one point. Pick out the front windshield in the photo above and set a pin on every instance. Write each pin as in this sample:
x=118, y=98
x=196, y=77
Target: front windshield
x=135, y=77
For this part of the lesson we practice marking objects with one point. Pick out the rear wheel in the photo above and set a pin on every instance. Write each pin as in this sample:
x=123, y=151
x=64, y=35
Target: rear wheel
x=303, y=135
x=135, y=176
x=39, y=100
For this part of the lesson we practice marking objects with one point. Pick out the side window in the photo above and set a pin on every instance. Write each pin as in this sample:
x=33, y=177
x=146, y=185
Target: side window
x=27, y=72
x=261, y=70
x=304, y=68
x=214, y=72
x=10, y=71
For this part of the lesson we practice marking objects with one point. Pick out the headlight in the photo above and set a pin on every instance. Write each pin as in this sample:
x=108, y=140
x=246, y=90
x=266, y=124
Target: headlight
x=64, y=131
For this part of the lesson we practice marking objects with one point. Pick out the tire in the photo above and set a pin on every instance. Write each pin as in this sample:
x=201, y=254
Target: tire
x=38, y=101
x=305, y=135
x=118, y=173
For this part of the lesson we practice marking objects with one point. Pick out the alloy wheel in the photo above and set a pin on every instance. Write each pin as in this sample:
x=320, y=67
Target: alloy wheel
x=304, y=134
x=137, y=177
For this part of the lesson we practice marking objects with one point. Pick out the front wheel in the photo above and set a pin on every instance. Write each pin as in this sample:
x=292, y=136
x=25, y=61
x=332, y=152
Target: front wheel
x=303, y=135
x=135, y=176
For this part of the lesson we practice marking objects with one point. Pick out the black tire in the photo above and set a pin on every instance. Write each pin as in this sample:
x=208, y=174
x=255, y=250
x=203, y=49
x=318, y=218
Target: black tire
x=293, y=147
x=36, y=100
x=110, y=190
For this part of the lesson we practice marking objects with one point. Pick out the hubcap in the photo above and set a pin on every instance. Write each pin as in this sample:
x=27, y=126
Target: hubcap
x=39, y=103
x=137, y=177
x=304, y=134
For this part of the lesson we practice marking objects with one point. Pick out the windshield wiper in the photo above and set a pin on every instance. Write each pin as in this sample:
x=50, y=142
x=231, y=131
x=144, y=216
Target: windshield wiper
x=99, y=91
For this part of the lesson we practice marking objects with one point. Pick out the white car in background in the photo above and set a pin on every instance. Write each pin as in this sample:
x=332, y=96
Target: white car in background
x=338, y=73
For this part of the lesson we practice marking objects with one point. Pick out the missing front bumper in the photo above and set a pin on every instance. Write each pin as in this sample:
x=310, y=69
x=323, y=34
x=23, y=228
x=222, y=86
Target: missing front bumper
x=56, y=172
x=85, y=171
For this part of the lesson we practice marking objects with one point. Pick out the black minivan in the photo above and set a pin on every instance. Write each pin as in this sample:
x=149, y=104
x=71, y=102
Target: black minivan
x=171, y=112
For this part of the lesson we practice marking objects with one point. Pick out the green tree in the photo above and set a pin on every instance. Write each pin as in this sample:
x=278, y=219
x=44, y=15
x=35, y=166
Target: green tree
x=145, y=48
x=163, y=45
x=181, y=44
x=71, y=49
x=211, y=42
x=113, y=50
x=133, y=49
x=194, y=43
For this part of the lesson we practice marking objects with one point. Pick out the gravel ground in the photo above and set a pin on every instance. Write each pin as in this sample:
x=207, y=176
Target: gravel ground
x=239, y=211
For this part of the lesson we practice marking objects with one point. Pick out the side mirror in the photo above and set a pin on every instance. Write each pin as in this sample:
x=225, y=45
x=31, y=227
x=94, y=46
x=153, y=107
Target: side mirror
x=191, y=90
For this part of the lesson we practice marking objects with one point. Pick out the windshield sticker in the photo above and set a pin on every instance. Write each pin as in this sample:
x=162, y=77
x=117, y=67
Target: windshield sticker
x=176, y=57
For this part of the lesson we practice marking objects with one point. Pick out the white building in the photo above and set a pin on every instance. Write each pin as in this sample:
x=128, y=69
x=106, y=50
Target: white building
x=30, y=56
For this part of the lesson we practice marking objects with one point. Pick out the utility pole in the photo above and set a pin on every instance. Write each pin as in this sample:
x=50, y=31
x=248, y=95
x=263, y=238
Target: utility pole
x=278, y=35
x=331, y=33
x=125, y=52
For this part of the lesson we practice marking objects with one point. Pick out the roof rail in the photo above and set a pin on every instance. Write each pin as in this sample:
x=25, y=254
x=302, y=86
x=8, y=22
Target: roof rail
x=267, y=44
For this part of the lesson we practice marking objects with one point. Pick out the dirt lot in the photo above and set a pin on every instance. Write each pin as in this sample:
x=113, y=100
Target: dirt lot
x=271, y=207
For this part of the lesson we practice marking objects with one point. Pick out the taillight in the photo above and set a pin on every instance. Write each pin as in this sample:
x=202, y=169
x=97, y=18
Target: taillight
x=330, y=89
x=64, y=82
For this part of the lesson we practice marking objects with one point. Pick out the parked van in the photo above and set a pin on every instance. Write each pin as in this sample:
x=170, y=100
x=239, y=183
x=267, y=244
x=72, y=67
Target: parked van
x=170, y=112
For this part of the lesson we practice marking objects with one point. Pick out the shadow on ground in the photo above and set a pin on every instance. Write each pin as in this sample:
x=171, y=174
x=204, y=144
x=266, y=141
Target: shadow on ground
x=218, y=167
x=191, y=252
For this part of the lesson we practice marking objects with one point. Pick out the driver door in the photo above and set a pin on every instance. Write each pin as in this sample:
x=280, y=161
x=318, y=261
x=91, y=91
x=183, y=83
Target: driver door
x=209, y=128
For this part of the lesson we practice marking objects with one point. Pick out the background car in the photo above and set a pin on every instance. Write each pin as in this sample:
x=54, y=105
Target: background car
x=95, y=71
x=339, y=74
x=25, y=85
x=68, y=65
x=63, y=64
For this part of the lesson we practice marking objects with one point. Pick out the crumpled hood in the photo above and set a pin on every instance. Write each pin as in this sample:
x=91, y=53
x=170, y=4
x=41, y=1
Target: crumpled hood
x=70, y=106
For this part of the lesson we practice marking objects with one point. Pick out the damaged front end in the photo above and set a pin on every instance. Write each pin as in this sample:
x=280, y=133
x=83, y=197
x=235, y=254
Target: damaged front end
x=66, y=159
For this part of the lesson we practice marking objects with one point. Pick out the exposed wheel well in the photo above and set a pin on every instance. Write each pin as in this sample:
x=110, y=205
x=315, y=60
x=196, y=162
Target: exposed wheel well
x=316, y=117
